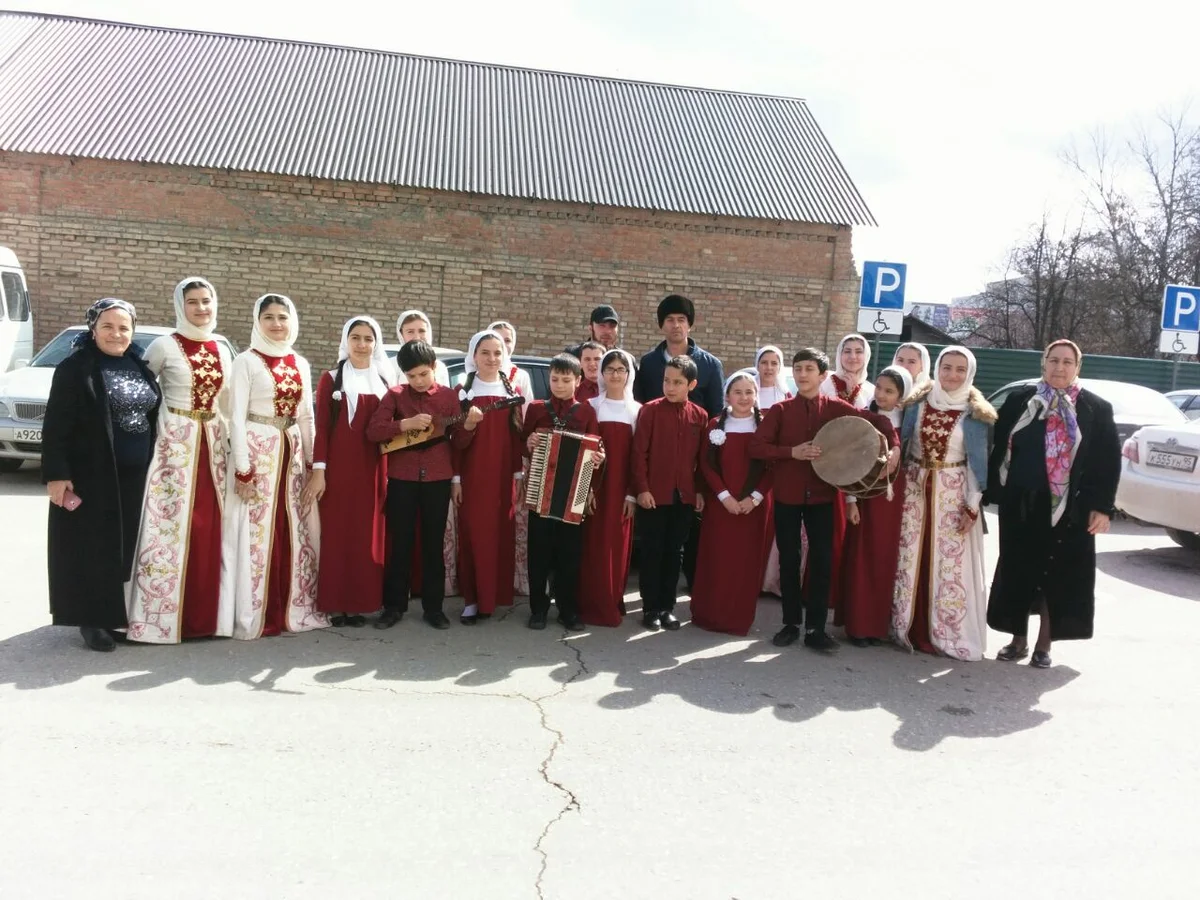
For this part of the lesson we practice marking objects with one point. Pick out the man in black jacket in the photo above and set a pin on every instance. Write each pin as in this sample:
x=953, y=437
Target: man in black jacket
x=604, y=328
x=676, y=316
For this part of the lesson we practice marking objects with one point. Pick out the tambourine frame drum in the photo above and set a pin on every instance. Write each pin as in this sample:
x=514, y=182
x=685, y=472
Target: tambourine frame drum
x=853, y=457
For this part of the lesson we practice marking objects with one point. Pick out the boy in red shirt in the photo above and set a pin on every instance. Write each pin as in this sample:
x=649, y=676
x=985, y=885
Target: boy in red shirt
x=802, y=500
x=666, y=454
x=418, y=482
x=590, y=354
x=555, y=547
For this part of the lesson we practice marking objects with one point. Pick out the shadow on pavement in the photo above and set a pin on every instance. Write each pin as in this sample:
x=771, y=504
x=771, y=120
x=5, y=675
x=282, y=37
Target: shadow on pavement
x=26, y=482
x=1169, y=570
x=619, y=669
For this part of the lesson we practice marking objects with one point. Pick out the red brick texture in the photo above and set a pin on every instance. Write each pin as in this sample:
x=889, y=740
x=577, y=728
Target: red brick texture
x=84, y=229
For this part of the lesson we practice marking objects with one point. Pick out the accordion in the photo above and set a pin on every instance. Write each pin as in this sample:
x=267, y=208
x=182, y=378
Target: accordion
x=560, y=474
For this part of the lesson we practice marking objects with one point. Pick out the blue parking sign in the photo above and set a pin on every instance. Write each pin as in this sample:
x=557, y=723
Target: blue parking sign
x=882, y=286
x=1181, y=308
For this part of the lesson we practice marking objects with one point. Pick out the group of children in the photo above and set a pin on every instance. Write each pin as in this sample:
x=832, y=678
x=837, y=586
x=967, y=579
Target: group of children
x=364, y=530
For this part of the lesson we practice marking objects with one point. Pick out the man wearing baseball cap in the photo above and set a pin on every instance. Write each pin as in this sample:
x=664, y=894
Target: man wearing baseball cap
x=604, y=327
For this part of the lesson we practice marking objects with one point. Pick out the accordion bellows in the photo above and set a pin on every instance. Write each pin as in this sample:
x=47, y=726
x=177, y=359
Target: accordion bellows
x=560, y=474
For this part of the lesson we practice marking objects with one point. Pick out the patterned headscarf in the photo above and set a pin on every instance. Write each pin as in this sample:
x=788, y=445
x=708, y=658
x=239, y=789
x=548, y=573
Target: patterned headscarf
x=92, y=316
x=182, y=325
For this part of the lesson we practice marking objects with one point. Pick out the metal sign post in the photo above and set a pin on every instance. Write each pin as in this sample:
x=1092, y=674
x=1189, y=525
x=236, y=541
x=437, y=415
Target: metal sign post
x=1180, y=324
x=881, y=302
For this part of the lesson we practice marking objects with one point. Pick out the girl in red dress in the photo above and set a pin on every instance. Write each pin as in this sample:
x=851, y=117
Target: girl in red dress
x=872, y=545
x=483, y=491
x=608, y=532
x=733, y=533
x=349, y=478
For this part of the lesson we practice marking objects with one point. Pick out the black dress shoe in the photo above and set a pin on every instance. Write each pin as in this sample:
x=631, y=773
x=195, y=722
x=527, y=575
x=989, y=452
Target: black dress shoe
x=786, y=636
x=338, y=621
x=356, y=621
x=860, y=642
x=437, y=620
x=468, y=620
x=572, y=623
x=821, y=642
x=389, y=618
x=669, y=622
x=97, y=639
x=650, y=620
x=537, y=621
x=1040, y=659
x=120, y=637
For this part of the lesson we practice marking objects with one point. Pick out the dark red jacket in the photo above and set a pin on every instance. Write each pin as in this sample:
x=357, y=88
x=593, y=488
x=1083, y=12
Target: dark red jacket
x=431, y=462
x=793, y=422
x=577, y=416
x=587, y=390
x=666, y=449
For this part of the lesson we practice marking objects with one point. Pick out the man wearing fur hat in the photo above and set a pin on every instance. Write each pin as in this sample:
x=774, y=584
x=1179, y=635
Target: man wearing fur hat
x=676, y=316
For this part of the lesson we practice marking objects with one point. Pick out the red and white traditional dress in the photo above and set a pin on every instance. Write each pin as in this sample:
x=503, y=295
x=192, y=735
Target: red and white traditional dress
x=768, y=397
x=270, y=544
x=175, y=591
x=353, y=524
x=940, y=600
x=607, y=534
x=733, y=548
x=487, y=468
x=869, y=557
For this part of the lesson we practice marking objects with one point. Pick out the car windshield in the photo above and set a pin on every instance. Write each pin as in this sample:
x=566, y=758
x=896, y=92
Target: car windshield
x=60, y=348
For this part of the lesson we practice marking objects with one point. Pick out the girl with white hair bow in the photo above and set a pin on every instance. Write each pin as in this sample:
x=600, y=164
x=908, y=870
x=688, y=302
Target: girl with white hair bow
x=734, y=531
x=608, y=531
x=349, y=479
x=940, y=600
x=271, y=539
x=175, y=592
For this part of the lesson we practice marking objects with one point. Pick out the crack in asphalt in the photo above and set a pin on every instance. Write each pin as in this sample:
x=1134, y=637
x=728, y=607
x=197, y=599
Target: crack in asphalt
x=570, y=798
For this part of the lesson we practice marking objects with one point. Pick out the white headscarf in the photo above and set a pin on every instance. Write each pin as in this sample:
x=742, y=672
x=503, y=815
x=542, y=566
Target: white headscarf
x=837, y=359
x=939, y=397
x=182, y=325
x=905, y=377
x=925, y=374
x=631, y=405
x=769, y=396
x=376, y=380
x=740, y=373
x=262, y=343
x=411, y=314
x=501, y=323
x=469, y=363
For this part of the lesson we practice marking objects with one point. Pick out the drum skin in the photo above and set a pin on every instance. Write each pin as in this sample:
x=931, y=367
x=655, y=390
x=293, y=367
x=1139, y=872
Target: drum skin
x=853, y=457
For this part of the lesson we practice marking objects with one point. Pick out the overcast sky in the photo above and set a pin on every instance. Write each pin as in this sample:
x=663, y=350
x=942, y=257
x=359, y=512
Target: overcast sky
x=951, y=123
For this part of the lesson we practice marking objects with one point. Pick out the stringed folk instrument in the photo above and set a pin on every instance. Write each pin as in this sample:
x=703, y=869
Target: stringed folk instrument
x=415, y=437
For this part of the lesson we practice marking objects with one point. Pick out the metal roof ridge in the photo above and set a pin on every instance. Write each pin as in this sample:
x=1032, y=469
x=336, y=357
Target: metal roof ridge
x=397, y=53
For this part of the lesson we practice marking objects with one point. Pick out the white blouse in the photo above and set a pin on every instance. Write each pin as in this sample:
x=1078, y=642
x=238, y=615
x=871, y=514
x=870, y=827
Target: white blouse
x=742, y=425
x=252, y=390
x=769, y=396
x=616, y=411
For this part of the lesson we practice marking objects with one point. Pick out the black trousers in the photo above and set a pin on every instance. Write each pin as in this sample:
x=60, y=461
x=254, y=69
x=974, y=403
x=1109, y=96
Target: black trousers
x=691, y=550
x=817, y=520
x=410, y=503
x=662, y=532
x=555, y=549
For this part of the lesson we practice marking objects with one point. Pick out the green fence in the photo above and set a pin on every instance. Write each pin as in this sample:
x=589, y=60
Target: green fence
x=999, y=367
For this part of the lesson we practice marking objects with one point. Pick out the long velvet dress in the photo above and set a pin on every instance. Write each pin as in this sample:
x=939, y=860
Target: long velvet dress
x=489, y=459
x=353, y=524
x=607, y=534
x=869, y=558
x=732, y=547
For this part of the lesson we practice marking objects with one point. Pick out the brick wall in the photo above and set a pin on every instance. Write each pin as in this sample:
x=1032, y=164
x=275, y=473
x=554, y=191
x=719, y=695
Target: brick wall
x=90, y=228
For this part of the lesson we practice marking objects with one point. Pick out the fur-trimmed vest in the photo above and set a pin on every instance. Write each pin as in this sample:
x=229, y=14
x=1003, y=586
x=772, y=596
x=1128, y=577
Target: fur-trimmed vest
x=976, y=425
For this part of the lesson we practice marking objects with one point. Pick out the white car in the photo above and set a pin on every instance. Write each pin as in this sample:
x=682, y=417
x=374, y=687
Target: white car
x=1160, y=481
x=1187, y=400
x=24, y=391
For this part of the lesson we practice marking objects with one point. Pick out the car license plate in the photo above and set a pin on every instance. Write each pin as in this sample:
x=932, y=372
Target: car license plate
x=1165, y=459
x=23, y=435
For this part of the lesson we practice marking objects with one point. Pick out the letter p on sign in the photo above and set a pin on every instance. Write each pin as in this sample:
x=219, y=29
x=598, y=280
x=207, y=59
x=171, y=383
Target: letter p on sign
x=882, y=286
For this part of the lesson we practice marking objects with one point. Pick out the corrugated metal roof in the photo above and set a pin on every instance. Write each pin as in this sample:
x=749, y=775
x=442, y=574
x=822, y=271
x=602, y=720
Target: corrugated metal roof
x=85, y=88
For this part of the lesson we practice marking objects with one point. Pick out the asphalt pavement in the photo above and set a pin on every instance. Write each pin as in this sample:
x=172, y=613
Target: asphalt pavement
x=497, y=762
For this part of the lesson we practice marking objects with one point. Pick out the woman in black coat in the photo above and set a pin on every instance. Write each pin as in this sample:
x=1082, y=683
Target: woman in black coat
x=97, y=440
x=1053, y=472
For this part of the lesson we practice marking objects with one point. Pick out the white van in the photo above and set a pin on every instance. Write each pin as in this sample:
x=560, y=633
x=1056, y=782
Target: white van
x=16, y=317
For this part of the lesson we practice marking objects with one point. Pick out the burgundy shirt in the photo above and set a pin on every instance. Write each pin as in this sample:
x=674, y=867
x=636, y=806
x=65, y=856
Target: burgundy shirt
x=587, y=390
x=574, y=416
x=428, y=462
x=666, y=449
x=793, y=422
